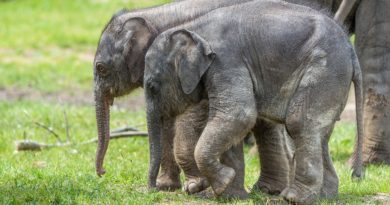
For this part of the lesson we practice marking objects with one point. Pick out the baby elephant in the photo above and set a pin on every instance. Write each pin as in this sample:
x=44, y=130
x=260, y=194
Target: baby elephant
x=270, y=61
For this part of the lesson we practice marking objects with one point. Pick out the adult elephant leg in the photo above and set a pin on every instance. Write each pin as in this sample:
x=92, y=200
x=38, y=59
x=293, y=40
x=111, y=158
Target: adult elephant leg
x=373, y=49
x=275, y=152
x=169, y=178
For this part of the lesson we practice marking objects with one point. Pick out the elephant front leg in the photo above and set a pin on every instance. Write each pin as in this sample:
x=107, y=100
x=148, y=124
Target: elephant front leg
x=234, y=158
x=188, y=128
x=169, y=178
x=275, y=153
x=220, y=134
x=232, y=114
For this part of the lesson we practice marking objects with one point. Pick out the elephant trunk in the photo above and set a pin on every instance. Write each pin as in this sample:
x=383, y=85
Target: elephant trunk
x=154, y=129
x=103, y=125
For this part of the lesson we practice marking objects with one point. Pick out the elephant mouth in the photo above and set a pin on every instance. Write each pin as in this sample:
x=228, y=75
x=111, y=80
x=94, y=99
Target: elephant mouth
x=116, y=92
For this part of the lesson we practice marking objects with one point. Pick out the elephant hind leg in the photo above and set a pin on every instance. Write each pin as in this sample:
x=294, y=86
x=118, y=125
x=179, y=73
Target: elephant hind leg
x=308, y=170
x=275, y=153
x=330, y=178
x=309, y=122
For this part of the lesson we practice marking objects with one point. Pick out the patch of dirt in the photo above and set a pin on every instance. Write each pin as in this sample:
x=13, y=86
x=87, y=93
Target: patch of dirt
x=381, y=198
x=84, y=98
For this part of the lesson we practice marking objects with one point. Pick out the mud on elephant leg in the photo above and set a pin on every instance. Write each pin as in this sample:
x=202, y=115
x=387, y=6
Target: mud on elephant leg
x=275, y=152
x=169, y=178
x=376, y=143
x=373, y=49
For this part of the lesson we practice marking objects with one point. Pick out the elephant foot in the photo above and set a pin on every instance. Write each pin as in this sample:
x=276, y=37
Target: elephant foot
x=330, y=187
x=168, y=183
x=234, y=193
x=270, y=186
x=224, y=178
x=205, y=194
x=329, y=192
x=195, y=185
x=230, y=193
x=298, y=193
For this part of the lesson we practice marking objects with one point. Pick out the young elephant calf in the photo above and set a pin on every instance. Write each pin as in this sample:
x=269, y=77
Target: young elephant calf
x=263, y=61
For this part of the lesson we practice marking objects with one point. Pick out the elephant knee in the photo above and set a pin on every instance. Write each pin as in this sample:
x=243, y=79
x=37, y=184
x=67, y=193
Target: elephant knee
x=202, y=158
x=247, y=116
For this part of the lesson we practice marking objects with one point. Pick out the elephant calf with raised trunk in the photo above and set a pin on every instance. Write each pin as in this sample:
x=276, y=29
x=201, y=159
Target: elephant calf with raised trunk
x=260, y=62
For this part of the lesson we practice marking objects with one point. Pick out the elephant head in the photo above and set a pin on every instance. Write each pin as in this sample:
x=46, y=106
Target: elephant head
x=118, y=69
x=174, y=66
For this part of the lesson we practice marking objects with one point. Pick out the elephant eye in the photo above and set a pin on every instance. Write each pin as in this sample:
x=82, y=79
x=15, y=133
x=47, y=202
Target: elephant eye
x=102, y=70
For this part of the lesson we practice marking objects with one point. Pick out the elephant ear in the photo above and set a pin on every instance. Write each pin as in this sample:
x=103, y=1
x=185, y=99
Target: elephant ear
x=139, y=34
x=193, y=56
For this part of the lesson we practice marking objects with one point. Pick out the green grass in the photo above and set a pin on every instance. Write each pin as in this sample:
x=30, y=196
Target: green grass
x=66, y=175
x=47, y=46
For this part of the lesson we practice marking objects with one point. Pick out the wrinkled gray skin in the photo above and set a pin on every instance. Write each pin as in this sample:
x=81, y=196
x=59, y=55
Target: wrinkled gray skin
x=188, y=128
x=119, y=67
x=294, y=75
x=370, y=21
x=372, y=31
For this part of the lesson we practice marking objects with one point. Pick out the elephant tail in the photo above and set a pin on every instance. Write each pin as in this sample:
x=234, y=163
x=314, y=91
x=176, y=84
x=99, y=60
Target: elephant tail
x=357, y=158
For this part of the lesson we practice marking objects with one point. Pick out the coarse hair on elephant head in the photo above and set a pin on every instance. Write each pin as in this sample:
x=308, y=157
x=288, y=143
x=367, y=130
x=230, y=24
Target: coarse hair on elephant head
x=173, y=85
x=118, y=69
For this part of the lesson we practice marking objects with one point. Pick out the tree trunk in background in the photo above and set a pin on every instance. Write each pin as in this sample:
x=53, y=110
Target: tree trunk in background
x=372, y=29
